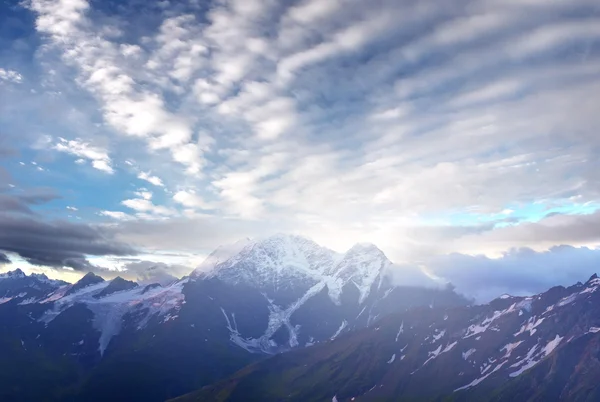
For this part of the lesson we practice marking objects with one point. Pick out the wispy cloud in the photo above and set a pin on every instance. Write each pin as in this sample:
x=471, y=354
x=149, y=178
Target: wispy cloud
x=97, y=156
x=150, y=179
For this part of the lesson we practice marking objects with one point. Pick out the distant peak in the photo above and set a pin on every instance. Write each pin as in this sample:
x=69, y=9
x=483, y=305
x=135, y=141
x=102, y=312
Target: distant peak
x=40, y=276
x=595, y=276
x=91, y=275
x=116, y=285
x=17, y=272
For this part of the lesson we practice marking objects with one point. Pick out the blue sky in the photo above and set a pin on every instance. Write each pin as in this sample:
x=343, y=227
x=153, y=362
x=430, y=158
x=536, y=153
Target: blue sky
x=427, y=129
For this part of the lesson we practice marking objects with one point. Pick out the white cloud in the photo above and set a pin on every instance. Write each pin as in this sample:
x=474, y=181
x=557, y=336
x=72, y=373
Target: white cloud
x=84, y=150
x=70, y=208
x=110, y=75
x=145, y=208
x=118, y=215
x=10, y=76
x=147, y=176
x=190, y=199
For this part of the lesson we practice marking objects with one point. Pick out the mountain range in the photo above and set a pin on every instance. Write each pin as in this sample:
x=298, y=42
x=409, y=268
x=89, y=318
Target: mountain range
x=99, y=340
x=544, y=347
x=283, y=318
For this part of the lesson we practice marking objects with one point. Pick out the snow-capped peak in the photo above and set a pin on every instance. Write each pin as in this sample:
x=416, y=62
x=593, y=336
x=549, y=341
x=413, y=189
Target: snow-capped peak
x=290, y=258
x=363, y=265
x=17, y=273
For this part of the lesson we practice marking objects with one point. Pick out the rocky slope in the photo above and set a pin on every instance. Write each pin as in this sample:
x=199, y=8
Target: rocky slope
x=540, y=348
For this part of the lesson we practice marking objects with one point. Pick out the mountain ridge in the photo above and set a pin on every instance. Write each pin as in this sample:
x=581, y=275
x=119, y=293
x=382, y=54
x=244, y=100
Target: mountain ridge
x=156, y=342
x=496, y=351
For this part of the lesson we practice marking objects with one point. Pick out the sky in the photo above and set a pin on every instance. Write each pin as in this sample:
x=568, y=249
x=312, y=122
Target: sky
x=459, y=136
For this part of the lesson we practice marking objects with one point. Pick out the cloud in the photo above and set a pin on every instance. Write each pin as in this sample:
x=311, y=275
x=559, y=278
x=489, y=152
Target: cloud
x=410, y=125
x=190, y=199
x=4, y=259
x=150, y=179
x=110, y=72
x=145, y=208
x=518, y=271
x=22, y=201
x=56, y=243
x=10, y=76
x=154, y=272
x=97, y=156
x=118, y=215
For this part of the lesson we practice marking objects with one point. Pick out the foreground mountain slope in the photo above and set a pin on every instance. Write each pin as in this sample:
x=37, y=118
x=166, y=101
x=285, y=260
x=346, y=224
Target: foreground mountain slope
x=543, y=347
x=569, y=374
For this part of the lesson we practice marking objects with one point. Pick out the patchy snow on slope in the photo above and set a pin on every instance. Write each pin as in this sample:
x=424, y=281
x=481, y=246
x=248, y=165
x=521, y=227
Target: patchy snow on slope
x=549, y=348
x=530, y=326
x=589, y=290
x=436, y=353
x=400, y=330
x=566, y=300
x=534, y=356
x=438, y=336
x=392, y=359
x=480, y=379
x=479, y=328
x=31, y=300
x=110, y=310
x=593, y=330
x=465, y=355
x=343, y=325
x=449, y=347
x=509, y=348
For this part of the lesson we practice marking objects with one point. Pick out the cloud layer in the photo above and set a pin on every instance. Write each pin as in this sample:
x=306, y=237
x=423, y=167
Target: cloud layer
x=428, y=129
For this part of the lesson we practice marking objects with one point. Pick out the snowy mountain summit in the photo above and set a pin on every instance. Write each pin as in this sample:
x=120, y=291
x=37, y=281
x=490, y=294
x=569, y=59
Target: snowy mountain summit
x=289, y=265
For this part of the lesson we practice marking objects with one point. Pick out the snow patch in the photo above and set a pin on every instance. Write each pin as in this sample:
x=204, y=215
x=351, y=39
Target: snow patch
x=534, y=358
x=478, y=328
x=480, y=379
x=530, y=326
x=437, y=337
x=340, y=329
x=436, y=353
x=468, y=353
x=400, y=330
x=509, y=348
x=566, y=300
x=392, y=359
